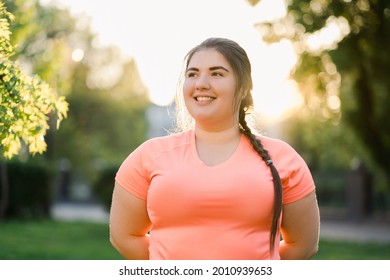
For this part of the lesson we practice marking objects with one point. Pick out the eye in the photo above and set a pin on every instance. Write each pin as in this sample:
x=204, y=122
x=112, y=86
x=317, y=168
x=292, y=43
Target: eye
x=191, y=74
x=217, y=74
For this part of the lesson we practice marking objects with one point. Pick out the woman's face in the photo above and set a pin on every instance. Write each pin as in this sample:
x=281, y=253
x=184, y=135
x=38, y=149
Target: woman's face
x=209, y=90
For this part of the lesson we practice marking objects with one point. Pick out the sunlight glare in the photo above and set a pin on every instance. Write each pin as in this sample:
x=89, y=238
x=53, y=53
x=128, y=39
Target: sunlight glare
x=159, y=41
x=77, y=55
x=329, y=36
x=334, y=102
x=274, y=94
x=278, y=101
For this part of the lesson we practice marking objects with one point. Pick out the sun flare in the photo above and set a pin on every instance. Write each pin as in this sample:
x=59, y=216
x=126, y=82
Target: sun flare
x=159, y=41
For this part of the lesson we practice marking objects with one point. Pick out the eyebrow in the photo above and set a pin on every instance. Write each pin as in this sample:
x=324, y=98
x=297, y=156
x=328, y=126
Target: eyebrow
x=211, y=68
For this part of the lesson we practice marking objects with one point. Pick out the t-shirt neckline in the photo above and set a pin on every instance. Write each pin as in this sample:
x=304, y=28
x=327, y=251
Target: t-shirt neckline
x=232, y=158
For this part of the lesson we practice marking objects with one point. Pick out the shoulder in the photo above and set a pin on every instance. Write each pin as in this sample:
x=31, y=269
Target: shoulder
x=276, y=146
x=295, y=174
x=145, y=154
x=157, y=145
x=282, y=153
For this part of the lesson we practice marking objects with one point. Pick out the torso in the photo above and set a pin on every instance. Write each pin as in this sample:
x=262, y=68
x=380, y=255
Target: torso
x=211, y=210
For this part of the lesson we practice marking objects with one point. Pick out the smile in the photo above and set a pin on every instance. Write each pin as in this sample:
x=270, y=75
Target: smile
x=204, y=98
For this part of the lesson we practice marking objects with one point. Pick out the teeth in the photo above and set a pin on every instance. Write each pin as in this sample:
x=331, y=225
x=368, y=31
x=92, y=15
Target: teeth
x=204, y=98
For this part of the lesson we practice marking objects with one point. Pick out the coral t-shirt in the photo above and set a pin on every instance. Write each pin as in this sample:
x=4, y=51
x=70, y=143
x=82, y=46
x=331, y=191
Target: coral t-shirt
x=211, y=212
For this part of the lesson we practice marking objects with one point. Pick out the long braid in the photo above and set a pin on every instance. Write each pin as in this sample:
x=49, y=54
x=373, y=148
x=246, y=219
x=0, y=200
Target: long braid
x=263, y=153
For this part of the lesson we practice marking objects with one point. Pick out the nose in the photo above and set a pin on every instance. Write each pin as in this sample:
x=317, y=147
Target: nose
x=202, y=83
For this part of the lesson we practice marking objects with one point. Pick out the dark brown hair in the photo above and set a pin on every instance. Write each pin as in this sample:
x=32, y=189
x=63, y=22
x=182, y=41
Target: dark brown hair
x=239, y=61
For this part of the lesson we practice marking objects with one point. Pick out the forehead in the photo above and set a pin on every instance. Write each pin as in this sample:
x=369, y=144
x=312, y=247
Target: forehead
x=208, y=58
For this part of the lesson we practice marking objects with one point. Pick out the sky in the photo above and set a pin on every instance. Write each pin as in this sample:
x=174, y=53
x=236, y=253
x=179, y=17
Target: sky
x=158, y=34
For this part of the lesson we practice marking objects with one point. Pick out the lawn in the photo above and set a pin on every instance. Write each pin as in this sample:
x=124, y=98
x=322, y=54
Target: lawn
x=57, y=240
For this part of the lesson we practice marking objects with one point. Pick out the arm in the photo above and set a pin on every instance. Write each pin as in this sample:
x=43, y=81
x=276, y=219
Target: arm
x=129, y=224
x=300, y=228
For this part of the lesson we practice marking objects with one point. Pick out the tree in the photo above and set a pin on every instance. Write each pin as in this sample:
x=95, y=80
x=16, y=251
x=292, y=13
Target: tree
x=106, y=112
x=25, y=106
x=104, y=123
x=344, y=80
x=26, y=101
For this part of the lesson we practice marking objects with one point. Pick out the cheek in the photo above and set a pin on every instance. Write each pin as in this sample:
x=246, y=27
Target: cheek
x=187, y=88
x=230, y=93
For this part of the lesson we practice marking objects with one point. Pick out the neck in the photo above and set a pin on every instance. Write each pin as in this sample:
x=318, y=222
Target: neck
x=217, y=136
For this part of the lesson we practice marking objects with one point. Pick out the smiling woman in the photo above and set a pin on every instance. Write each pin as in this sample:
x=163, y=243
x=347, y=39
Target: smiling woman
x=188, y=195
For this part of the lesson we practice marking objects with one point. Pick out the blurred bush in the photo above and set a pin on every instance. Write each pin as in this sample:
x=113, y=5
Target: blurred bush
x=104, y=185
x=331, y=187
x=29, y=192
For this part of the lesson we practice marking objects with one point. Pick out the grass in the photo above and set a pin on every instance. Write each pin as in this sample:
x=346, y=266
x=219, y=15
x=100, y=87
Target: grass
x=341, y=250
x=57, y=240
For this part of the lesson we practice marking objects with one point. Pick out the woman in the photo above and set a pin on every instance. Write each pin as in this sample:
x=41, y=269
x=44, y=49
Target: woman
x=215, y=191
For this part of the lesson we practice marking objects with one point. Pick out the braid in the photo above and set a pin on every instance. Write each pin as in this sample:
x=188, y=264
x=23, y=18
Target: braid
x=263, y=153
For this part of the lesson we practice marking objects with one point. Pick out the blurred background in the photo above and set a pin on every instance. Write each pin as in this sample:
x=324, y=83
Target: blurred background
x=104, y=80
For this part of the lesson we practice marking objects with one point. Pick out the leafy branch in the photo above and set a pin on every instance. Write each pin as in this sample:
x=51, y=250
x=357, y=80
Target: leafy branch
x=26, y=102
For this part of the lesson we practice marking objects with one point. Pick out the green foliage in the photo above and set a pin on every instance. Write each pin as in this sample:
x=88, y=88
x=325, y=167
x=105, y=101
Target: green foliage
x=25, y=105
x=104, y=124
x=323, y=145
x=44, y=37
x=104, y=185
x=26, y=102
x=5, y=43
x=106, y=119
x=330, y=188
x=345, y=80
x=30, y=192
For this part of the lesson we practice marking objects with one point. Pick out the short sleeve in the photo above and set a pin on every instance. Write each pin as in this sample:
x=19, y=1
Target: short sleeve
x=133, y=174
x=295, y=174
x=299, y=182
